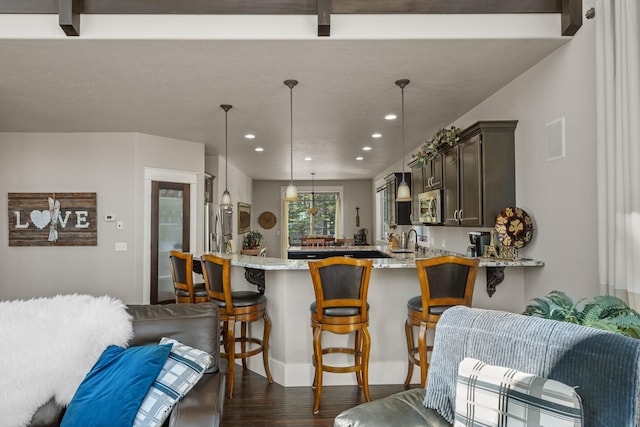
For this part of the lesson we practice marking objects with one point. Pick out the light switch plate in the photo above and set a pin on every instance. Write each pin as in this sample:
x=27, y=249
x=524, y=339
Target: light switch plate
x=121, y=246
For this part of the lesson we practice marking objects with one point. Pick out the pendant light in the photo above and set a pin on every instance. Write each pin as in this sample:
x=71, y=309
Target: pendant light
x=291, y=195
x=312, y=210
x=226, y=197
x=404, y=193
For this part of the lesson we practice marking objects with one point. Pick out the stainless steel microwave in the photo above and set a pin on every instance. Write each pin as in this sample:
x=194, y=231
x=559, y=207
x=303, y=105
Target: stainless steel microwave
x=430, y=207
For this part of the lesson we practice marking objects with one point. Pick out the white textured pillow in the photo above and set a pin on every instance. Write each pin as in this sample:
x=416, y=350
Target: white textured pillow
x=495, y=396
x=182, y=370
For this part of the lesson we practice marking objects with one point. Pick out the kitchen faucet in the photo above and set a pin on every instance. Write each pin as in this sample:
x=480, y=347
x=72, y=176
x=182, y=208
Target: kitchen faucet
x=415, y=245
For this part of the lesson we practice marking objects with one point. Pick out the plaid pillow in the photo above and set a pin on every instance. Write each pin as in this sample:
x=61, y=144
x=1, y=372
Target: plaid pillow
x=495, y=396
x=182, y=370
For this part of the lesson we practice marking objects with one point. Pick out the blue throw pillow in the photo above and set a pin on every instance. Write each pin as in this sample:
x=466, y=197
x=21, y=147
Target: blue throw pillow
x=112, y=391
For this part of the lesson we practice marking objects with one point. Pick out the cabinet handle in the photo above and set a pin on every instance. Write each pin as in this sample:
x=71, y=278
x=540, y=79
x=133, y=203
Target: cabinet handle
x=460, y=216
x=455, y=215
x=430, y=181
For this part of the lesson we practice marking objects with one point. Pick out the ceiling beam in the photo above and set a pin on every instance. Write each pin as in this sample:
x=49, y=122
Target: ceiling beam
x=324, y=18
x=570, y=10
x=288, y=7
x=69, y=16
x=571, y=17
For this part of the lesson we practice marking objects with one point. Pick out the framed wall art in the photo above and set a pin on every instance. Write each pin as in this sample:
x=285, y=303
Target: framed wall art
x=52, y=219
x=244, y=217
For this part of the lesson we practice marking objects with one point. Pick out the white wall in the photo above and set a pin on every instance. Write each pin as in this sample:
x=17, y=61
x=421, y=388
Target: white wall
x=559, y=194
x=109, y=164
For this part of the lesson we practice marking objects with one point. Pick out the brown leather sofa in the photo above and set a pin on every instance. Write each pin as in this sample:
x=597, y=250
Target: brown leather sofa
x=196, y=325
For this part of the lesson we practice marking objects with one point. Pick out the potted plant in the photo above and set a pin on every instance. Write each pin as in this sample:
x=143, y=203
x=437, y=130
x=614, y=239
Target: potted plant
x=604, y=312
x=252, y=239
x=432, y=146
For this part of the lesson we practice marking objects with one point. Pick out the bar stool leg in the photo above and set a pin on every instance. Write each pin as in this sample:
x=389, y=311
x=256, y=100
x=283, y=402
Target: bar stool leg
x=243, y=342
x=408, y=329
x=357, y=354
x=265, y=346
x=365, y=362
x=317, y=353
x=231, y=355
x=422, y=349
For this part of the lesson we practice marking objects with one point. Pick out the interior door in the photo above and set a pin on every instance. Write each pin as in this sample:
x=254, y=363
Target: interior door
x=169, y=230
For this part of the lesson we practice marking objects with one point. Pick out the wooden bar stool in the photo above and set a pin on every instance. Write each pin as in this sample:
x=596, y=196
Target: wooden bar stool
x=341, y=285
x=444, y=282
x=240, y=306
x=182, y=274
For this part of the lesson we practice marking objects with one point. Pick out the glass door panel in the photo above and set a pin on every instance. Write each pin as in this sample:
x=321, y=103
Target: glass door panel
x=170, y=231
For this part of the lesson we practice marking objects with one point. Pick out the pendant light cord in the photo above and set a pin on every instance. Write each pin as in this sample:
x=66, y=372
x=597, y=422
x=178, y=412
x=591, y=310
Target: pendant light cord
x=226, y=149
x=291, y=129
x=226, y=197
x=402, y=91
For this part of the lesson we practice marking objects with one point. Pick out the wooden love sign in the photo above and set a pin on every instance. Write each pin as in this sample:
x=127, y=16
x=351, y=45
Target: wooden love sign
x=52, y=219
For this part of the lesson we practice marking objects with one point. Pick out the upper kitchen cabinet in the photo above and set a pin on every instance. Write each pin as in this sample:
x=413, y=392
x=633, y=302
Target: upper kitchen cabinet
x=417, y=187
x=395, y=213
x=479, y=174
x=433, y=173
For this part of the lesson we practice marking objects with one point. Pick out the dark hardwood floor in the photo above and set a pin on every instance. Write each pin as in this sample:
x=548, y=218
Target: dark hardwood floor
x=256, y=403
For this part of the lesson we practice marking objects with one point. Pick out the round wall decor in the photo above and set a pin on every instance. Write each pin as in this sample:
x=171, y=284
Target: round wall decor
x=514, y=227
x=267, y=220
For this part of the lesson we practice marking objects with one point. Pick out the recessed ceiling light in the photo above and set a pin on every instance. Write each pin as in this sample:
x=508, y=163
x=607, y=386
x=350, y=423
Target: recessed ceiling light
x=259, y=149
x=390, y=117
x=359, y=158
x=366, y=149
x=307, y=158
x=250, y=136
x=377, y=135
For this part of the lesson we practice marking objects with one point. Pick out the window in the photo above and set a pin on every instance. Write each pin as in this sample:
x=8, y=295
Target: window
x=326, y=222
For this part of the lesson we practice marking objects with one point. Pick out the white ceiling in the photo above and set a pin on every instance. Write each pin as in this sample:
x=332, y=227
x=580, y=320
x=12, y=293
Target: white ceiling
x=174, y=88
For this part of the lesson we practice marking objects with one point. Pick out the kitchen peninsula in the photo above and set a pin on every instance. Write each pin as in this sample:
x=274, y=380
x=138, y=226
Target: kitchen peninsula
x=394, y=280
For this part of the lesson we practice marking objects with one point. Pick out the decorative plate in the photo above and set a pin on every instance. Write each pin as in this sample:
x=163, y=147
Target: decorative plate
x=514, y=227
x=267, y=220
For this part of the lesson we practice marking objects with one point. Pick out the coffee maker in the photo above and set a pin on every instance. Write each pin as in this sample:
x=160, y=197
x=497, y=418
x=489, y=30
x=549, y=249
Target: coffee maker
x=478, y=240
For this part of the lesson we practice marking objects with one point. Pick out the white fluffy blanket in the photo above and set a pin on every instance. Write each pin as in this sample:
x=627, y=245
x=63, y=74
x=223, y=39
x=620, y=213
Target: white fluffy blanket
x=48, y=345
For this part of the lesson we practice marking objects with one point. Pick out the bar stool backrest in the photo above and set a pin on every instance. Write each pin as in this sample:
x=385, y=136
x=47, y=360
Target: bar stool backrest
x=217, y=278
x=446, y=281
x=341, y=282
x=181, y=265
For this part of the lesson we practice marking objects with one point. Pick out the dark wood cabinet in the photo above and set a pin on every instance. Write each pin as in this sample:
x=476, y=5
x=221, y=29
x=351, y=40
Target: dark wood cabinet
x=479, y=174
x=433, y=173
x=397, y=213
x=417, y=187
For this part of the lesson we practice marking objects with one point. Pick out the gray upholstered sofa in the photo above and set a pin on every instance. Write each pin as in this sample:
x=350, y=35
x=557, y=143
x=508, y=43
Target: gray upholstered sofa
x=196, y=325
x=604, y=368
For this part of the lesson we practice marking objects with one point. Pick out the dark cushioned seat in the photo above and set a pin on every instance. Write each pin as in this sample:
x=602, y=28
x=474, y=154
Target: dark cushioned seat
x=199, y=290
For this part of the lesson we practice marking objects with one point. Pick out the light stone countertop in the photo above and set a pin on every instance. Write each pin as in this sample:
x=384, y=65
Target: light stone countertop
x=397, y=260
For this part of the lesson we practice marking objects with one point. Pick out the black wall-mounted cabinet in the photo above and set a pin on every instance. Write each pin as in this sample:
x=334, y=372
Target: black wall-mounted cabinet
x=396, y=213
